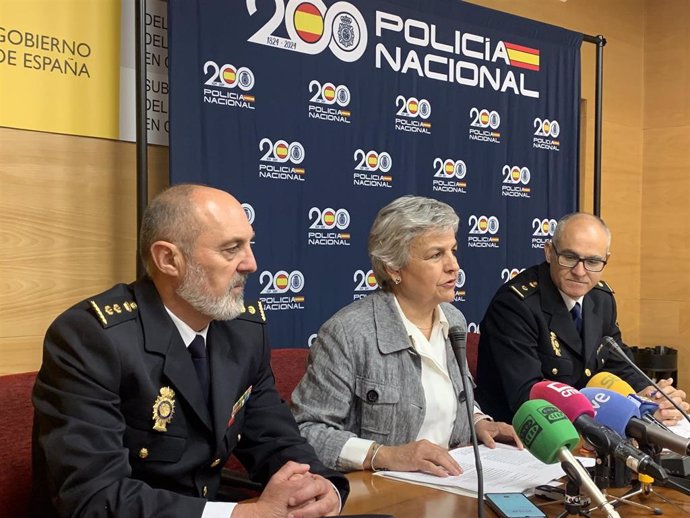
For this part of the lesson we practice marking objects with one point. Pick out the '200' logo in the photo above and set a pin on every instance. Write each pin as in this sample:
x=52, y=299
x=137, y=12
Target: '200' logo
x=483, y=224
x=311, y=27
x=546, y=128
x=228, y=76
x=413, y=107
x=373, y=161
x=485, y=118
x=515, y=175
x=327, y=219
x=329, y=94
x=543, y=227
x=281, y=151
x=281, y=282
x=449, y=168
x=365, y=281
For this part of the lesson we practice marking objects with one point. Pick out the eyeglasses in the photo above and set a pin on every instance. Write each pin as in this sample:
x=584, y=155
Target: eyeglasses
x=591, y=264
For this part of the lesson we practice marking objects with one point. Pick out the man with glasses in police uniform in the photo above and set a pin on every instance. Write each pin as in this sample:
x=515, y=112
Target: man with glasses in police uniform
x=548, y=323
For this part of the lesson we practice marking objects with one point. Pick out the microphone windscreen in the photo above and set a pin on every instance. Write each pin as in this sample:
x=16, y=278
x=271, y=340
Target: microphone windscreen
x=544, y=430
x=645, y=405
x=564, y=397
x=613, y=410
x=612, y=382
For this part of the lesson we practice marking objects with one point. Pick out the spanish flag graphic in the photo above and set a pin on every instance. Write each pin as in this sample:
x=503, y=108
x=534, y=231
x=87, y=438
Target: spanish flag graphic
x=229, y=75
x=281, y=282
x=281, y=151
x=523, y=57
x=308, y=22
x=329, y=217
x=329, y=93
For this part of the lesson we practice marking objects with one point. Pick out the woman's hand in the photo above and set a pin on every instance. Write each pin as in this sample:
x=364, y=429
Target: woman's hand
x=423, y=456
x=489, y=432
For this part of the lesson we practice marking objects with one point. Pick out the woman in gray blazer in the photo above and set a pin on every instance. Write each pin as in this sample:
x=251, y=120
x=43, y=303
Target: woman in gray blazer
x=382, y=388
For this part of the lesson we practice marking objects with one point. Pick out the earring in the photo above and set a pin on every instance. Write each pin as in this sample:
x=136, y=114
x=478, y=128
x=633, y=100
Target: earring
x=397, y=280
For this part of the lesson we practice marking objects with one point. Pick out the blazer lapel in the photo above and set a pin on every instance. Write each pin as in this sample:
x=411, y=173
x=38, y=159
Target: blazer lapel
x=161, y=337
x=391, y=335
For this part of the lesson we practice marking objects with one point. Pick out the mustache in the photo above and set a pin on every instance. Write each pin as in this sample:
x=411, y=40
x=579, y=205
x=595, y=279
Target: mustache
x=239, y=281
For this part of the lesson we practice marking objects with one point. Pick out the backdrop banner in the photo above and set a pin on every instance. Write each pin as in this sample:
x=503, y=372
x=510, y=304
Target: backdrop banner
x=315, y=114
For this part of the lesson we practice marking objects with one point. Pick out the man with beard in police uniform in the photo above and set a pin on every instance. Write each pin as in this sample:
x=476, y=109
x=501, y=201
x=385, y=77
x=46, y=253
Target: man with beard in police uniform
x=548, y=323
x=146, y=389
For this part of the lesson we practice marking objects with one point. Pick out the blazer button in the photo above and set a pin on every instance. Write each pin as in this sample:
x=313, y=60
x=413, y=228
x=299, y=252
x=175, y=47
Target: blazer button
x=215, y=463
x=204, y=491
x=588, y=373
x=554, y=371
x=143, y=453
x=239, y=437
x=372, y=396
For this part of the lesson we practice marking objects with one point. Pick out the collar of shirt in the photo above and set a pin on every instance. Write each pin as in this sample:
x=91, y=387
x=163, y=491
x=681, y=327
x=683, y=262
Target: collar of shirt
x=570, y=303
x=439, y=318
x=186, y=332
x=433, y=348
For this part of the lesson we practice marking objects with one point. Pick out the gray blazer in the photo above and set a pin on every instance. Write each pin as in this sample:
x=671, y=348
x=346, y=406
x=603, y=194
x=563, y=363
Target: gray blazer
x=364, y=380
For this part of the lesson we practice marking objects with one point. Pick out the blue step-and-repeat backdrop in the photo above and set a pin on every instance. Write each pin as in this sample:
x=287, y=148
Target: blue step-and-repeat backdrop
x=315, y=114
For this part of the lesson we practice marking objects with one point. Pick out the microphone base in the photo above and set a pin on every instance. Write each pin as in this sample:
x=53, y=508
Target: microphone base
x=674, y=464
x=638, y=488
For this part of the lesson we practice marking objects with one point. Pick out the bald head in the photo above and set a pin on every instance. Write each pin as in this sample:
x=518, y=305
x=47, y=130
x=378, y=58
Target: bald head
x=581, y=220
x=179, y=214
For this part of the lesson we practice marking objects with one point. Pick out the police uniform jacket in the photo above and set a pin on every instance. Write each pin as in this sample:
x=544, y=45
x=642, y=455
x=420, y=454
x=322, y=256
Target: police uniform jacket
x=364, y=380
x=121, y=426
x=528, y=335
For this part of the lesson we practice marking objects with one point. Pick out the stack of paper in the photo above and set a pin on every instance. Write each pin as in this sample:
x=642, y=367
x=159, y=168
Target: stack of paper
x=506, y=469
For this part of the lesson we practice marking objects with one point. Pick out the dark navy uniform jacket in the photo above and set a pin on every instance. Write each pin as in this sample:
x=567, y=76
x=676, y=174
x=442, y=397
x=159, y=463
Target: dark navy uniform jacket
x=528, y=335
x=121, y=426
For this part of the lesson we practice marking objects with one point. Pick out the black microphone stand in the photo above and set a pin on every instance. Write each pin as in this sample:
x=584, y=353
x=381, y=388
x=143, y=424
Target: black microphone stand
x=613, y=345
x=458, y=342
x=575, y=504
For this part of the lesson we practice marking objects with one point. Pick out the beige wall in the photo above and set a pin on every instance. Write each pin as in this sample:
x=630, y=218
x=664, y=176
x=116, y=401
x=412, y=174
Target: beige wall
x=67, y=203
x=665, y=247
x=67, y=229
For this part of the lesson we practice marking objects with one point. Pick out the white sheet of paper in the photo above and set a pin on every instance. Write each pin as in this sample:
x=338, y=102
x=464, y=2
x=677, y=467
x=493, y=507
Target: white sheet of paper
x=682, y=428
x=505, y=468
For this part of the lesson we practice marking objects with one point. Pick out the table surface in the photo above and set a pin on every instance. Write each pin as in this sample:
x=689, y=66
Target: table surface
x=377, y=495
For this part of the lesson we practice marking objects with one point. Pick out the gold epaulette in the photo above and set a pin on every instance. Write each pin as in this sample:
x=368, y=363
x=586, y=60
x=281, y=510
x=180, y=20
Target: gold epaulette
x=254, y=312
x=524, y=290
x=110, y=311
x=603, y=286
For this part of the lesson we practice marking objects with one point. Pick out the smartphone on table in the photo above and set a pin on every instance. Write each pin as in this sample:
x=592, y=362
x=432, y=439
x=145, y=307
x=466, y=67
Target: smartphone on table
x=513, y=505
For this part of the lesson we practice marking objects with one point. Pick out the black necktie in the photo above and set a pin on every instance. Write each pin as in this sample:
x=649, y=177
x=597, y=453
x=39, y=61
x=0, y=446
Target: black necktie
x=576, y=313
x=198, y=351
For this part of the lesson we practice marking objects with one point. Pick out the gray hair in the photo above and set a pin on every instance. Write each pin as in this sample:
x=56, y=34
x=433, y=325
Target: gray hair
x=171, y=217
x=397, y=224
x=562, y=223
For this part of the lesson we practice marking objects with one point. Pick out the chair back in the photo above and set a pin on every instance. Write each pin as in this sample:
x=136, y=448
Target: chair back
x=15, y=443
x=288, y=366
x=472, y=352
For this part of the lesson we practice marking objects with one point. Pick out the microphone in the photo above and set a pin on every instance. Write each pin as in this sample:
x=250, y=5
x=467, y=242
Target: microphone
x=621, y=414
x=604, y=440
x=613, y=345
x=458, y=342
x=548, y=435
x=612, y=382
